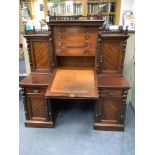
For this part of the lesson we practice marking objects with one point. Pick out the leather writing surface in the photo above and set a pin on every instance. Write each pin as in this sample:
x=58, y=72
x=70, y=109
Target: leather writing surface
x=74, y=83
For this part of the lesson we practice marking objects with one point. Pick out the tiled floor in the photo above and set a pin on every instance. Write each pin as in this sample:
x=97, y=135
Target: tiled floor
x=74, y=135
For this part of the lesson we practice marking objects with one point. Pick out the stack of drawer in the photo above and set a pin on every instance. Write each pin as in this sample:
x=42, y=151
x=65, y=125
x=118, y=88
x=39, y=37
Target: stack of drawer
x=75, y=41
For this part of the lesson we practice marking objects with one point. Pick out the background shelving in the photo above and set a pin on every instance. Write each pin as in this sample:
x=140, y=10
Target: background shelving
x=64, y=8
x=109, y=10
x=105, y=8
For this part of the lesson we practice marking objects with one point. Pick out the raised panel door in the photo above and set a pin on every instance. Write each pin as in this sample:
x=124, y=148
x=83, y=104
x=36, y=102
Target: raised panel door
x=36, y=106
x=112, y=57
x=40, y=56
x=110, y=110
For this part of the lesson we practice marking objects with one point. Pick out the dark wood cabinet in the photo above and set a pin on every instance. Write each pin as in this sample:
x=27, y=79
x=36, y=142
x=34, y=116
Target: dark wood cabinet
x=110, y=113
x=37, y=109
x=75, y=60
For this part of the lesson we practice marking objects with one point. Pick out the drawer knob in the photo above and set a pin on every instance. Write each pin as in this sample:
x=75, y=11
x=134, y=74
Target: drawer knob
x=63, y=45
x=62, y=37
x=35, y=91
x=86, y=45
x=86, y=51
x=86, y=37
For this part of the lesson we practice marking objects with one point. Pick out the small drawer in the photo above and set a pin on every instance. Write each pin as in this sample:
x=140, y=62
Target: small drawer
x=75, y=52
x=75, y=34
x=111, y=93
x=35, y=90
x=74, y=45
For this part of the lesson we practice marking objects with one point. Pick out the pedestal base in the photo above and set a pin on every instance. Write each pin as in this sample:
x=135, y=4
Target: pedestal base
x=38, y=124
x=109, y=127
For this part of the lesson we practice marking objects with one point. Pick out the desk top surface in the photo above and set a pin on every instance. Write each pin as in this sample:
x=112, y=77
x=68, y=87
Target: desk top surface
x=35, y=79
x=117, y=82
x=73, y=83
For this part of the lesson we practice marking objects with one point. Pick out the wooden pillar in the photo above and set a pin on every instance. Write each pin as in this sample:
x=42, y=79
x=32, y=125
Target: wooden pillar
x=45, y=8
x=84, y=7
x=31, y=7
x=118, y=10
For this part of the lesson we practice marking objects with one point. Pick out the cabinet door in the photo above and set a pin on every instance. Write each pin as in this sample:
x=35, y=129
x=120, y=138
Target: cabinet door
x=40, y=56
x=36, y=106
x=113, y=58
x=110, y=110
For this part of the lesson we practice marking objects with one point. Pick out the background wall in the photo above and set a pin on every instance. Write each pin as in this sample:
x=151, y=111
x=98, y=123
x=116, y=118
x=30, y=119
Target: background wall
x=22, y=40
x=126, y=5
x=129, y=63
x=129, y=67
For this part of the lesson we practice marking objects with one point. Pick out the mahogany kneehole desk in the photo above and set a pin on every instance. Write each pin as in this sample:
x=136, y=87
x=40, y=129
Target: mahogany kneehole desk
x=76, y=60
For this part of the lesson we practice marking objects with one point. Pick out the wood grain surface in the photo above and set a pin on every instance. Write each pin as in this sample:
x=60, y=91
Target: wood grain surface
x=40, y=57
x=109, y=82
x=73, y=83
x=36, y=79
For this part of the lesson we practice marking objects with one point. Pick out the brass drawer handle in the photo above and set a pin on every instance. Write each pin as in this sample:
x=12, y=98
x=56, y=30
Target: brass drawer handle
x=35, y=91
x=110, y=93
x=86, y=51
